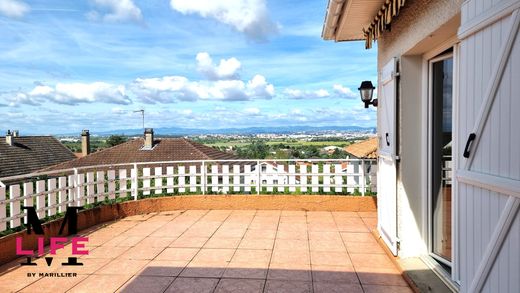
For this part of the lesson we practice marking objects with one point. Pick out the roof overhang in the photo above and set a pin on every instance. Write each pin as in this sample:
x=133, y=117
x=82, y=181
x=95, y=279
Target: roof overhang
x=345, y=19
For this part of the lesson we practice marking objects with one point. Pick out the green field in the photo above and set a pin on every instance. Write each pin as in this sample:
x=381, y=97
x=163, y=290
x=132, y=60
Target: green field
x=292, y=143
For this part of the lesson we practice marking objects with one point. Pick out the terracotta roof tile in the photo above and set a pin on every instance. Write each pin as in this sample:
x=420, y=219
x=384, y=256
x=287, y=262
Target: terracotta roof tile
x=165, y=149
x=366, y=149
x=31, y=153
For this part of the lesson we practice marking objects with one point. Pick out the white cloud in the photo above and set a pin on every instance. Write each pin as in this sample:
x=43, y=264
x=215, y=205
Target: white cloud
x=14, y=8
x=116, y=11
x=227, y=68
x=301, y=94
x=345, y=92
x=170, y=89
x=247, y=16
x=71, y=94
x=252, y=111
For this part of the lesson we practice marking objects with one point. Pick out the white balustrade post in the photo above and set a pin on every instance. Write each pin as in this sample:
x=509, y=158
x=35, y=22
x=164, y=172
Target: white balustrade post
x=135, y=181
x=77, y=187
x=258, y=184
x=363, y=180
x=203, y=177
x=3, y=210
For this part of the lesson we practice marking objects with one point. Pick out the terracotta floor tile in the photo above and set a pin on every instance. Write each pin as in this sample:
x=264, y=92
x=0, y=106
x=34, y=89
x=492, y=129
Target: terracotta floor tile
x=230, y=243
x=368, y=214
x=330, y=258
x=322, y=227
x=189, y=242
x=192, y=285
x=327, y=245
x=252, y=256
x=256, y=243
x=157, y=241
x=300, y=235
x=286, y=213
x=364, y=247
x=386, y=289
x=131, y=241
x=291, y=257
x=101, y=283
x=330, y=287
x=175, y=253
x=358, y=237
x=142, y=252
x=345, y=214
x=122, y=267
x=340, y=274
x=54, y=284
x=263, y=226
x=16, y=280
x=371, y=261
x=371, y=223
x=292, y=227
x=332, y=236
x=352, y=228
x=260, y=234
x=282, y=286
x=292, y=244
x=106, y=252
x=211, y=255
x=239, y=286
x=229, y=233
x=147, y=284
x=90, y=265
x=291, y=272
x=170, y=268
x=268, y=213
x=374, y=276
x=114, y=241
x=206, y=270
x=246, y=270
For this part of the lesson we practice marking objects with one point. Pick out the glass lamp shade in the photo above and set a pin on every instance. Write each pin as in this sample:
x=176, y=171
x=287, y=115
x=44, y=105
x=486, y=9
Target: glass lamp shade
x=366, y=90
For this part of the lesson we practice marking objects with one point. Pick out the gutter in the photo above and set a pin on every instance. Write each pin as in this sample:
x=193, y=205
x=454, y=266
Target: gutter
x=334, y=12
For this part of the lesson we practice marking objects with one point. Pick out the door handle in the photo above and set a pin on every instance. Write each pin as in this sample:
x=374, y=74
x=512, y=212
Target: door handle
x=471, y=138
x=387, y=142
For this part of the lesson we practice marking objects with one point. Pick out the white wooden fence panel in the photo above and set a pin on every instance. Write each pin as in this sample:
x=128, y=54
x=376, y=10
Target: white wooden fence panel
x=100, y=186
x=338, y=178
x=169, y=180
x=225, y=178
x=315, y=178
x=51, y=196
x=182, y=179
x=193, y=178
x=214, y=178
x=158, y=180
x=133, y=185
x=236, y=178
x=247, y=181
x=80, y=193
x=146, y=182
x=28, y=201
x=14, y=206
x=62, y=194
x=326, y=178
x=280, y=179
x=71, y=191
x=269, y=177
x=90, y=188
x=123, y=183
x=303, y=178
x=40, y=198
x=111, y=174
x=292, y=178
x=3, y=210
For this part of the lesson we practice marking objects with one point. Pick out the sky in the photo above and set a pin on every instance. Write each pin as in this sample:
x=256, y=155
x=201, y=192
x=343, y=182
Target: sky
x=89, y=64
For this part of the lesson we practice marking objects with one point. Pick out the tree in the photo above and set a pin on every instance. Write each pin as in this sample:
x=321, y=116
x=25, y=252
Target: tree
x=114, y=140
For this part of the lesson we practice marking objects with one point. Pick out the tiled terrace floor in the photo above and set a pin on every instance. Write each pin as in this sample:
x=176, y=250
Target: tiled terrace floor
x=223, y=251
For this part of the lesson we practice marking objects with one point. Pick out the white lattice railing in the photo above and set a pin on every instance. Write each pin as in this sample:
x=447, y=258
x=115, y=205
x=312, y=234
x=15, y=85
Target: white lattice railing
x=51, y=192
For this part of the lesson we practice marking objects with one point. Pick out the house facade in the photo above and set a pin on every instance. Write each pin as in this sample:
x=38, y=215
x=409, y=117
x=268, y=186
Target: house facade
x=449, y=148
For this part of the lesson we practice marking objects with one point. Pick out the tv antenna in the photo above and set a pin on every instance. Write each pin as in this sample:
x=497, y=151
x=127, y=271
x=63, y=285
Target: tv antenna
x=142, y=113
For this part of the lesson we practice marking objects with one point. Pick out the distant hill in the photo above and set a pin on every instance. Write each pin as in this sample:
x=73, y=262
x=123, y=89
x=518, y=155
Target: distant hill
x=243, y=131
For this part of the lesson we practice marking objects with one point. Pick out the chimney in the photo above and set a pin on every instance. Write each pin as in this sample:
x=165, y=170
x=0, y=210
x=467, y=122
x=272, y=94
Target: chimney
x=85, y=142
x=16, y=133
x=148, y=139
x=9, y=138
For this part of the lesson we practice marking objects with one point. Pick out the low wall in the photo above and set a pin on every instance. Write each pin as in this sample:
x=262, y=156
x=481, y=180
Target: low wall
x=105, y=213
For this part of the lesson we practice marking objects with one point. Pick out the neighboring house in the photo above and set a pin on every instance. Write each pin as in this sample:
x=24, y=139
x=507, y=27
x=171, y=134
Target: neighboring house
x=267, y=177
x=366, y=149
x=330, y=149
x=148, y=149
x=448, y=84
x=21, y=155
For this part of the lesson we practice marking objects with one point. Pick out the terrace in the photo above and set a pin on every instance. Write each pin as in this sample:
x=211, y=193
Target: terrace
x=204, y=226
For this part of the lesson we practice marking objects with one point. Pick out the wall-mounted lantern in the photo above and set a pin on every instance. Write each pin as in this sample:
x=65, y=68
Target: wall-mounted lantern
x=366, y=90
